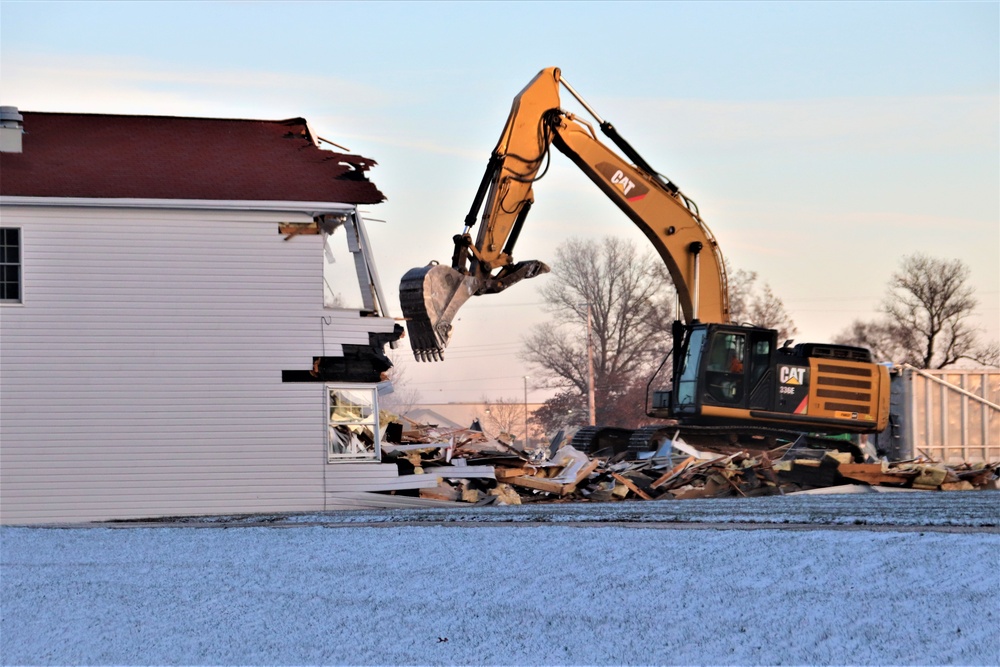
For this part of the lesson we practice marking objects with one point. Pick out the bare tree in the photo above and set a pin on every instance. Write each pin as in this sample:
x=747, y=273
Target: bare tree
x=757, y=306
x=503, y=416
x=926, y=318
x=886, y=340
x=567, y=408
x=403, y=397
x=630, y=299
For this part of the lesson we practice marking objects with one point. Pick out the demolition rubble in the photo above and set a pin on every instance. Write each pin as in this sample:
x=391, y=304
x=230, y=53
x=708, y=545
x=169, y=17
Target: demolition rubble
x=475, y=469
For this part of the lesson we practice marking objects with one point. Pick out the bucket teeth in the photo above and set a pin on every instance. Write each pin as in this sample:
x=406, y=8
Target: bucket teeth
x=430, y=296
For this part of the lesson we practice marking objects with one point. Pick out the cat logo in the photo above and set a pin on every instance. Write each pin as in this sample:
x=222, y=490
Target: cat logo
x=792, y=374
x=631, y=190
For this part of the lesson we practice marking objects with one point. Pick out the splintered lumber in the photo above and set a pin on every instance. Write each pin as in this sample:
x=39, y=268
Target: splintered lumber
x=538, y=483
x=733, y=484
x=980, y=477
x=507, y=472
x=869, y=473
x=673, y=471
x=585, y=472
x=766, y=470
x=631, y=486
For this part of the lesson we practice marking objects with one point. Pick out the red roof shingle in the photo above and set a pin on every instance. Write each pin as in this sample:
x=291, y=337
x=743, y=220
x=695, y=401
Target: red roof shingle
x=163, y=157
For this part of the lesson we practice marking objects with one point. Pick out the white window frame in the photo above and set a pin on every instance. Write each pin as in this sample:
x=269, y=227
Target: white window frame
x=18, y=265
x=372, y=299
x=347, y=434
x=345, y=284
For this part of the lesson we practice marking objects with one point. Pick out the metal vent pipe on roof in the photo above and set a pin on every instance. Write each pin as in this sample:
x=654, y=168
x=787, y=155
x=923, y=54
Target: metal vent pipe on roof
x=11, y=130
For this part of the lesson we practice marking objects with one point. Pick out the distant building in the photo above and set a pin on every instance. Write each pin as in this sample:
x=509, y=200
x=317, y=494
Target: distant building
x=191, y=320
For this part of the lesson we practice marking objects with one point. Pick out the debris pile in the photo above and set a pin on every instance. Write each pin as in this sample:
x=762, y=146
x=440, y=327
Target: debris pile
x=473, y=468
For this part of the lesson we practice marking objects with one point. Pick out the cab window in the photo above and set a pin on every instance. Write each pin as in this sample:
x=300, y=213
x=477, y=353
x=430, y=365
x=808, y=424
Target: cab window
x=728, y=353
x=688, y=381
x=724, y=368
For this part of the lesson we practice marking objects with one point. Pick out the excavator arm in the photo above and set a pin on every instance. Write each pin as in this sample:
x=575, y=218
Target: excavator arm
x=430, y=296
x=727, y=378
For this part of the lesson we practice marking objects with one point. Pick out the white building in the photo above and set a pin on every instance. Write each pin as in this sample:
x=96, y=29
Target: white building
x=178, y=334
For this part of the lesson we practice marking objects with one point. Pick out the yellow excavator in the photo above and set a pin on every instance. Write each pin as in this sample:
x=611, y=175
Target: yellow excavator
x=727, y=376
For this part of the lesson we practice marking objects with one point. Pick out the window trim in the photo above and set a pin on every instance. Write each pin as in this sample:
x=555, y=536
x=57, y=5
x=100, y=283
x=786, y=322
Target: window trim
x=366, y=273
x=19, y=264
x=371, y=422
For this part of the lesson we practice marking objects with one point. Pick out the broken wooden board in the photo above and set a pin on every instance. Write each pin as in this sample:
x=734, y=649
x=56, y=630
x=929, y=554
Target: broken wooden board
x=631, y=486
x=586, y=471
x=676, y=470
x=869, y=473
x=292, y=229
x=537, y=483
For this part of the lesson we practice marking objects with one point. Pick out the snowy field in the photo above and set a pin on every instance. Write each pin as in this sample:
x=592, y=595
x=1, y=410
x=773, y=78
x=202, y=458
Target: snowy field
x=513, y=593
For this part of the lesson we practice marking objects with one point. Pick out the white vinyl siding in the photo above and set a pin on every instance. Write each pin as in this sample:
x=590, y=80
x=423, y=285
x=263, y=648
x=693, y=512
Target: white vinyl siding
x=143, y=377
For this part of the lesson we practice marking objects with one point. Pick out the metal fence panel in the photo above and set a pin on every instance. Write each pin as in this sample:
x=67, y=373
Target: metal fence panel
x=952, y=416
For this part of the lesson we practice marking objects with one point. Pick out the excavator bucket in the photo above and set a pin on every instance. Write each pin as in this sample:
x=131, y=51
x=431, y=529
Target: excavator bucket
x=430, y=296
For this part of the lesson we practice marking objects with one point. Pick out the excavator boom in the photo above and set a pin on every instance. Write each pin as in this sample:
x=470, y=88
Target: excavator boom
x=724, y=374
x=431, y=296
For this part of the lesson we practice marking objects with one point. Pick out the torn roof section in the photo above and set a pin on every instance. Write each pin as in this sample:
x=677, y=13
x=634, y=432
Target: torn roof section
x=166, y=157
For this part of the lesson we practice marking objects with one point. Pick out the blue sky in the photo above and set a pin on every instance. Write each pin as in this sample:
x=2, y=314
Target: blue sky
x=822, y=141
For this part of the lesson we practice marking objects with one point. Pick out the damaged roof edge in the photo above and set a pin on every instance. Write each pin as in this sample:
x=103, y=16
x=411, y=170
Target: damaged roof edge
x=310, y=207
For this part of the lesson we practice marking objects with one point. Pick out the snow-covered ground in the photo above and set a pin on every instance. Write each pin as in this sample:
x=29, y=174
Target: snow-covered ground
x=510, y=592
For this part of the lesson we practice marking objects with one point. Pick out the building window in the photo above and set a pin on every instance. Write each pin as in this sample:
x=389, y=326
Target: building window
x=10, y=264
x=343, y=265
x=352, y=425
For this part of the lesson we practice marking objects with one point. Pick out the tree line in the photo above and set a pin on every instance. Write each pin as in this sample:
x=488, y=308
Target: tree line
x=925, y=320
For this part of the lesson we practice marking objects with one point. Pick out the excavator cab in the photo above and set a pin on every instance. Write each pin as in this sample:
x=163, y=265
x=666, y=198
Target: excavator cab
x=729, y=375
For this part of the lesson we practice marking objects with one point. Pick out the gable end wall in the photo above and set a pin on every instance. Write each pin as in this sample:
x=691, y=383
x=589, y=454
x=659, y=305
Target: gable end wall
x=141, y=376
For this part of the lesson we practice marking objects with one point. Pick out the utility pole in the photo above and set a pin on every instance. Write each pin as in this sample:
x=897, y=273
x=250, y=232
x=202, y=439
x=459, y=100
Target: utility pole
x=590, y=370
x=526, y=412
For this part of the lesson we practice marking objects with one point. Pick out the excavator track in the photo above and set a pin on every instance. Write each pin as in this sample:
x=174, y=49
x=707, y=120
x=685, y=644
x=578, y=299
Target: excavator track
x=601, y=440
x=606, y=440
x=649, y=438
